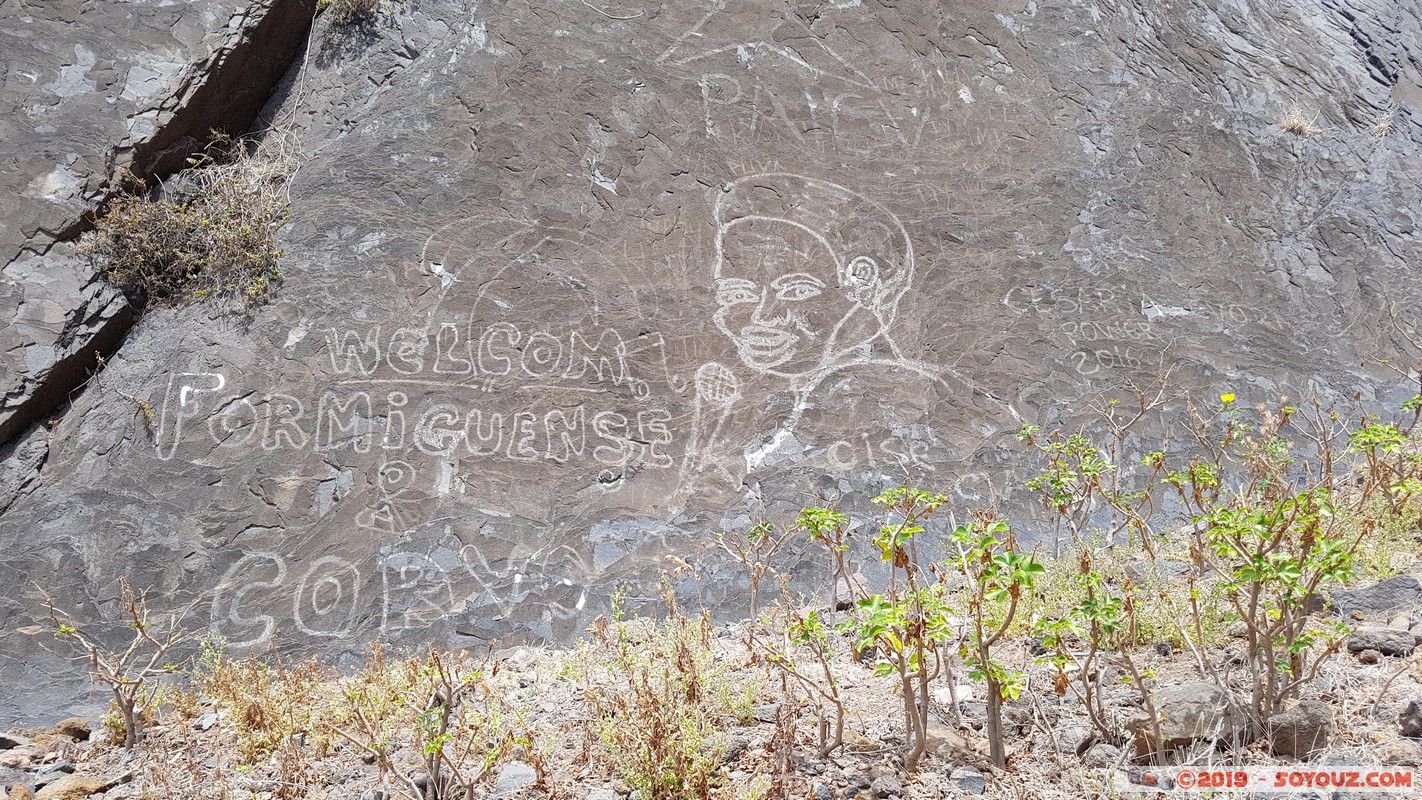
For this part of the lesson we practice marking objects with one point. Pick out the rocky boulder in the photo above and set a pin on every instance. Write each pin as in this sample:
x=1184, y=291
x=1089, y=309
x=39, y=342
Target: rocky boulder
x=1302, y=729
x=1398, y=593
x=1190, y=712
x=75, y=787
x=76, y=728
x=1386, y=641
x=1401, y=752
x=1410, y=720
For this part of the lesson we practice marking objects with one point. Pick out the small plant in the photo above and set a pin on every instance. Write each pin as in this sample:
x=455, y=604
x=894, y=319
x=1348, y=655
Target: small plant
x=1383, y=126
x=753, y=550
x=655, y=713
x=828, y=527
x=149, y=415
x=995, y=575
x=211, y=235
x=909, y=619
x=1277, y=553
x=349, y=12
x=1082, y=476
x=129, y=673
x=1105, y=618
x=805, y=629
x=1296, y=123
x=455, y=718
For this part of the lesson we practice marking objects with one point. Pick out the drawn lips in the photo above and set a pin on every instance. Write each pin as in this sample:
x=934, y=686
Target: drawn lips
x=766, y=346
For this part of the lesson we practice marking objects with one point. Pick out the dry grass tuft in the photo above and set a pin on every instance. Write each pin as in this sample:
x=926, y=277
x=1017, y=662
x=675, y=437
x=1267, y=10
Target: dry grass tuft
x=1299, y=125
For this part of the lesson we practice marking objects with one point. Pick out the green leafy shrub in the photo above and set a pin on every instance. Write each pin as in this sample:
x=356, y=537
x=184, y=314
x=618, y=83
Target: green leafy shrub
x=1274, y=506
x=211, y=235
x=908, y=621
x=1104, y=620
x=995, y=575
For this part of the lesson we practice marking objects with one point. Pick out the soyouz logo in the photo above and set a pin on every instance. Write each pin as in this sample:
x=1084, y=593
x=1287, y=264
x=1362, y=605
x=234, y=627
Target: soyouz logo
x=1399, y=780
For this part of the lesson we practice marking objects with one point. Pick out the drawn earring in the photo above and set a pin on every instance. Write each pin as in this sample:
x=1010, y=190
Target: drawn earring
x=860, y=274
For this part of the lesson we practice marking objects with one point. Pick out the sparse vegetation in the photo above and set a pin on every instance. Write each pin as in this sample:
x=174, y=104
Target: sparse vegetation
x=1384, y=123
x=455, y=719
x=656, y=693
x=130, y=672
x=349, y=12
x=1206, y=564
x=268, y=702
x=207, y=233
x=1297, y=123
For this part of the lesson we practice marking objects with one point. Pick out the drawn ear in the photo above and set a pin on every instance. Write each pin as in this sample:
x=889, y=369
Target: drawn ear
x=860, y=276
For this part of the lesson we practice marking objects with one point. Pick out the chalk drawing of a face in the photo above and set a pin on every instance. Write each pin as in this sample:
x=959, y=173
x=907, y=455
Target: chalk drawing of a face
x=806, y=272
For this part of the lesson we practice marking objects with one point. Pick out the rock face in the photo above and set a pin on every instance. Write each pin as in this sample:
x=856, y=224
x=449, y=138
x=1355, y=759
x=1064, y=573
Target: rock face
x=1198, y=711
x=570, y=288
x=1386, y=641
x=104, y=88
x=1302, y=729
x=1398, y=593
x=1410, y=720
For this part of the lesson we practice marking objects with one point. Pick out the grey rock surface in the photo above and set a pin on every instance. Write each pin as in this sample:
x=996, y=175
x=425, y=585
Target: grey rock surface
x=514, y=777
x=1409, y=720
x=1398, y=593
x=1103, y=755
x=1387, y=641
x=969, y=781
x=1197, y=711
x=1302, y=729
x=90, y=90
x=569, y=289
x=885, y=786
x=1064, y=741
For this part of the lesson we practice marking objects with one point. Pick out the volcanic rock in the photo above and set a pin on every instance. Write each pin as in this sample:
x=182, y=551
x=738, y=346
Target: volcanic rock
x=570, y=289
x=1387, y=641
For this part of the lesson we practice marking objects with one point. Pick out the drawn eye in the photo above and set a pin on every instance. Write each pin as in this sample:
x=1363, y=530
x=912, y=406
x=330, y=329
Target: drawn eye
x=732, y=295
x=797, y=291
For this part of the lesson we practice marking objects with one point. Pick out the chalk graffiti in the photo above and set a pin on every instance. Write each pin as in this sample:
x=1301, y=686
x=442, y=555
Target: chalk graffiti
x=1027, y=299
x=327, y=600
x=502, y=349
x=360, y=422
x=180, y=405
x=808, y=277
x=415, y=589
x=242, y=585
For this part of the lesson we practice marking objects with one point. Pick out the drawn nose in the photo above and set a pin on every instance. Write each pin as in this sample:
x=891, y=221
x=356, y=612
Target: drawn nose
x=769, y=311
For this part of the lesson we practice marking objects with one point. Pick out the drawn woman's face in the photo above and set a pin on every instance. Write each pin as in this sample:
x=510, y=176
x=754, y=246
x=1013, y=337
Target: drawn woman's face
x=778, y=296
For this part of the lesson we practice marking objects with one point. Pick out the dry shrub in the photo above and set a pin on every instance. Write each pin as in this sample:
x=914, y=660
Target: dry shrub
x=655, y=711
x=349, y=12
x=1299, y=125
x=442, y=708
x=269, y=704
x=209, y=233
